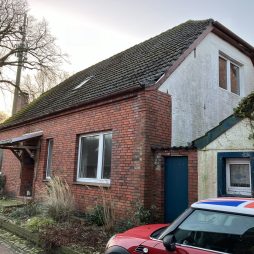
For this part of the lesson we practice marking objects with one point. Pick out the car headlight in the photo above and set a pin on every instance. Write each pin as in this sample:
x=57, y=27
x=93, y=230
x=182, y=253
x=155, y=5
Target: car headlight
x=109, y=241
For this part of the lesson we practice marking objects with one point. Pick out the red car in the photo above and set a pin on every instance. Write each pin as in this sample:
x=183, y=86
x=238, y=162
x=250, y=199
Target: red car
x=209, y=226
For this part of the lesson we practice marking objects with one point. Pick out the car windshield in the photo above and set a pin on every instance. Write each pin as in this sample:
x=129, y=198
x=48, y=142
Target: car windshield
x=219, y=231
x=157, y=233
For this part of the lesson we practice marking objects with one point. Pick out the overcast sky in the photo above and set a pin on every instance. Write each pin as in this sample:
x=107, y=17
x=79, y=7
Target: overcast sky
x=92, y=30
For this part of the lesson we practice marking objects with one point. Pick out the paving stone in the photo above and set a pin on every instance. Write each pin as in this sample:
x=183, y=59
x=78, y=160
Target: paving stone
x=12, y=244
x=5, y=250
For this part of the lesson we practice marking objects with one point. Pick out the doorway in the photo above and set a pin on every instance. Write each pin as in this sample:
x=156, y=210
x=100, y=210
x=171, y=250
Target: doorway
x=176, y=186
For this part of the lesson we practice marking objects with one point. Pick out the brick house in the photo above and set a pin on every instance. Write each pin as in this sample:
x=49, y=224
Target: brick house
x=124, y=123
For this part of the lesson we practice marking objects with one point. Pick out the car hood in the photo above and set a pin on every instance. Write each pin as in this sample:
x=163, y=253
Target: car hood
x=143, y=232
x=132, y=238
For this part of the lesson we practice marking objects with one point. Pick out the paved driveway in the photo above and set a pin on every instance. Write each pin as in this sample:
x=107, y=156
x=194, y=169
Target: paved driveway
x=5, y=250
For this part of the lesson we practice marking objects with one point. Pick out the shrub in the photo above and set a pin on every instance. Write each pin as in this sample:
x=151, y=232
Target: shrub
x=26, y=211
x=108, y=210
x=124, y=225
x=144, y=215
x=38, y=223
x=91, y=239
x=96, y=217
x=140, y=216
x=59, y=199
x=104, y=214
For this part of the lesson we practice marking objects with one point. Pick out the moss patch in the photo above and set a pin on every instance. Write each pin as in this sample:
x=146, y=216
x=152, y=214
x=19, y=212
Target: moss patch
x=4, y=203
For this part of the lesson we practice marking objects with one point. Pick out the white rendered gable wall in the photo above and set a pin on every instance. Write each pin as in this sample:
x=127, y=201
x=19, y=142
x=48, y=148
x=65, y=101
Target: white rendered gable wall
x=236, y=139
x=198, y=103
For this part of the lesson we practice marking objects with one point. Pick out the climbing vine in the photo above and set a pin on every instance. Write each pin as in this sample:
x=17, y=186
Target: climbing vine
x=245, y=109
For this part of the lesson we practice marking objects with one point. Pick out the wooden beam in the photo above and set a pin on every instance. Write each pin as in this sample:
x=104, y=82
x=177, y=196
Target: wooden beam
x=26, y=147
x=29, y=152
x=17, y=154
x=18, y=150
x=21, y=147
x=36, y=164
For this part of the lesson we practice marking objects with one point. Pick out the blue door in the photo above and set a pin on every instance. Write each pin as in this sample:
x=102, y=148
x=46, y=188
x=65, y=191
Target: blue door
x=176, y=187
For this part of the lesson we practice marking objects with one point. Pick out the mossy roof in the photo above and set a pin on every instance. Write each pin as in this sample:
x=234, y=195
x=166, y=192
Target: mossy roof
x=139, y=66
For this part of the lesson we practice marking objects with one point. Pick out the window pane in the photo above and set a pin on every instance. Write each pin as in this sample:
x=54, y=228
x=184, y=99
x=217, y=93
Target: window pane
x=49, y=158
x=107, y=145
x=239, y=175
x=234, y=74
x=88, y=157
x=223, y=232
x=222, y=73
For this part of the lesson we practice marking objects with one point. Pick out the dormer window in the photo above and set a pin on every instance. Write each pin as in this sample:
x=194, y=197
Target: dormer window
x=229, y=74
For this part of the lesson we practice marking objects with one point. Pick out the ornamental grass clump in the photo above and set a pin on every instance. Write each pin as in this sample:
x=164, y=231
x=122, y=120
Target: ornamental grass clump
x=59, y=200
x=2, y=183
x=103, y=213
x=108, y=210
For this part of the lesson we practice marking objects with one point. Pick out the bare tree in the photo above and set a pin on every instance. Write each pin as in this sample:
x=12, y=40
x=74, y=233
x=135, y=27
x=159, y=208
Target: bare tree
x=39, y=50
x=42, y=81
x=3, y=116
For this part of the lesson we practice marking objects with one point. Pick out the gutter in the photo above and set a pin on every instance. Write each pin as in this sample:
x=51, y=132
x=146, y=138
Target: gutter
x=226, y=34
x=233, y=35
x=73, y=108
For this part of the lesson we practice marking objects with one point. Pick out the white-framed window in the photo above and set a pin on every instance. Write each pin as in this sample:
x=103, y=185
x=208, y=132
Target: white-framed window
x=49, y=158
x=94, y=158
x=229, y=74
x=238, y=177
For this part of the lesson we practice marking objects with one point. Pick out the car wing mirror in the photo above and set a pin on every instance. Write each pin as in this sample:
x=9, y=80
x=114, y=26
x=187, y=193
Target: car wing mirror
x=169, y=241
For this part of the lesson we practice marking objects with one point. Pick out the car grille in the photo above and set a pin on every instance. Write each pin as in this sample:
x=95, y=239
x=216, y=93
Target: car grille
x=139, y=249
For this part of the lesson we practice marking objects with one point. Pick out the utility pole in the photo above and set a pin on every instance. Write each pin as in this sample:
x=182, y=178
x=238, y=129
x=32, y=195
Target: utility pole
x=20, y=55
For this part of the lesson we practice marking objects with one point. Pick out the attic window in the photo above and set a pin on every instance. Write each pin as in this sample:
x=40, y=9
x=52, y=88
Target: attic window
x=229, y=74
x=82, y=83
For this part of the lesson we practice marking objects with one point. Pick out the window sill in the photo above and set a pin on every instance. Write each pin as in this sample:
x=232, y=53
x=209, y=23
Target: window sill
x=231, y=93
x=228, y=195
x=92, y=184
x=46, y=180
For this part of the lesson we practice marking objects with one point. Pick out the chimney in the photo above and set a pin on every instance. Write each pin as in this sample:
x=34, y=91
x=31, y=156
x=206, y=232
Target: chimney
x=23, y=99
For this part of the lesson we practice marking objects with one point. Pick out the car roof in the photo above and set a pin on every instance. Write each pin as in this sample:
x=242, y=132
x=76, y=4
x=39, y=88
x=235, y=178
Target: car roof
x=233, y=205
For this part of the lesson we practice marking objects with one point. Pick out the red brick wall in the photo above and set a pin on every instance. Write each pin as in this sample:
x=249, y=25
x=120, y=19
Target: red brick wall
x=159, y=157
x=158, y=133
x=137, y=121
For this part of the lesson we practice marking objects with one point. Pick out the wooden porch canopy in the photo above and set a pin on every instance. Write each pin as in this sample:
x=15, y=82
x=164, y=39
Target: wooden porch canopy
x=17, y=146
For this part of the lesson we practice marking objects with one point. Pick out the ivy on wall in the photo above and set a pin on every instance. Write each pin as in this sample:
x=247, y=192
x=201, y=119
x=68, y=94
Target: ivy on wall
x=245, y=109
